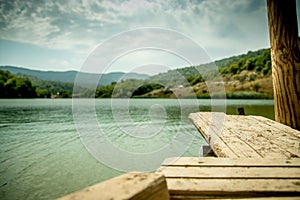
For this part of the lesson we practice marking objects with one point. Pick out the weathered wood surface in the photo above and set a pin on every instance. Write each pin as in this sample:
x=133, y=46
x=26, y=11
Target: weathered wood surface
x=218, y=178
x=285, y=51
x=133, y=186
x=236, y=136
x=237, y=162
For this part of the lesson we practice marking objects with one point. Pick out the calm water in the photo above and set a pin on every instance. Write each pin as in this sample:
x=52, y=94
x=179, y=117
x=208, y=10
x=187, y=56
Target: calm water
x=43, y=157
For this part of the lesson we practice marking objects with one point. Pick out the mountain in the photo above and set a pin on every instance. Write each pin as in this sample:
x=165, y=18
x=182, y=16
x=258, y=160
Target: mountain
x=70, y=76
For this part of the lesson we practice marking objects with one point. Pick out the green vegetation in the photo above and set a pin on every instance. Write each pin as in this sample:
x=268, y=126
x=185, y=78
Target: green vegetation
x=259, y=61
x=25, y=86
x=243, y=76
x=48, y=89
x=247, y=95
x=105, y=91
x=193, y=80
x=15, y=87
x=128, y=88
x=144, y=89
x=56, y=89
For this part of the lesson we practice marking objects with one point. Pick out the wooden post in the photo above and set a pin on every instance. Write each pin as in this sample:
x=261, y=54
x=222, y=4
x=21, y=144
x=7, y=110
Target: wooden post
x=285, y=54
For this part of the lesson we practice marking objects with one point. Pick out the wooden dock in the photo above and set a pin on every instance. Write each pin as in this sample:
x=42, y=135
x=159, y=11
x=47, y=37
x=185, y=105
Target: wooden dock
x=256, y=158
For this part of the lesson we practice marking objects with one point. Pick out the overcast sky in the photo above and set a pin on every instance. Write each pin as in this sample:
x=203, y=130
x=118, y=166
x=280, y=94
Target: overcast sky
x=60, y=35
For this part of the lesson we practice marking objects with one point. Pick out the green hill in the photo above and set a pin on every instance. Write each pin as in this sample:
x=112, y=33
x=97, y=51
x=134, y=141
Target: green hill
x=244, y=76
x=57, y=89
x=51, y=84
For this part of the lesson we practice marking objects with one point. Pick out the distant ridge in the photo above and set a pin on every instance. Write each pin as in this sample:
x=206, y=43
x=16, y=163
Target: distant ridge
x=69, y=76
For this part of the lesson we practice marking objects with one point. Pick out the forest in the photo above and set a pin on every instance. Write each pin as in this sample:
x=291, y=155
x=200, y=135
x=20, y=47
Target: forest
x=12, y=86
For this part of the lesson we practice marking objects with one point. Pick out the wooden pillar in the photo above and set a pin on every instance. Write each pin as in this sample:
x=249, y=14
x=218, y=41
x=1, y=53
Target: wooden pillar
x=285, y=53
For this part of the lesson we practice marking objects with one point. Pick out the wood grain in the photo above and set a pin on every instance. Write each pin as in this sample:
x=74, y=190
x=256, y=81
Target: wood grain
x=231, y=178
x=285, y=56
x=133, y=186
x=236, y=136
x=238, y=162
x=232, y=172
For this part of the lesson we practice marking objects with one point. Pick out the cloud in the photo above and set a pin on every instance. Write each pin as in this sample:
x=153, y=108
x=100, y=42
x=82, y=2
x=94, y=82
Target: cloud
x=223, y=27
x=58, y=25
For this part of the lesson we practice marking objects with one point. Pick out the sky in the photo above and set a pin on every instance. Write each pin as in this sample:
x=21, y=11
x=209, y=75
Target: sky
x=61, y=35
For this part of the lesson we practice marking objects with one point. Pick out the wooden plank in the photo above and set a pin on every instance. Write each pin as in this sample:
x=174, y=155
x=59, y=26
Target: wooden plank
x=267, y=140
x=220, y=148
x=281, y=135
x=222, y=162
x=246, y=136
x=230, y=172
x=133, y=186
x=225, y=178
x=196, y=197
x=211, y=126
x=233, y=187
x=281, y=127
x=243, y=128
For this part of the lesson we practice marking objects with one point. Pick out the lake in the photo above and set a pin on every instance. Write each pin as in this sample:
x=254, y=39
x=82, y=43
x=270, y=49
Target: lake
x=50, y=148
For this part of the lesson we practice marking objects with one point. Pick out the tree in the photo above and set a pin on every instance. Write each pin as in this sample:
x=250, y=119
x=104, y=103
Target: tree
x=282, y=18
x=105, y=91
x=25, y=88
x=15, y=87
x=267, y=69
x=256, y=87
x=2, y=89
x=10, y=88
x=250, y=64
x=234, y=68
